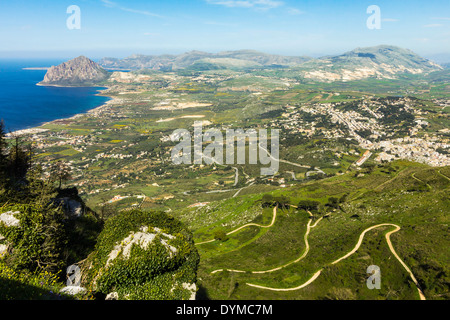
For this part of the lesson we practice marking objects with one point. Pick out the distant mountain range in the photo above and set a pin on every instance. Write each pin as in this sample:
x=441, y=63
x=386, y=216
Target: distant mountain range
x=227, y=59
x=380, y=62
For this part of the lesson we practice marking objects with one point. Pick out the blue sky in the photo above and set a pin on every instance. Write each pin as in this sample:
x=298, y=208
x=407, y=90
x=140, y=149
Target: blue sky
x=119, y=28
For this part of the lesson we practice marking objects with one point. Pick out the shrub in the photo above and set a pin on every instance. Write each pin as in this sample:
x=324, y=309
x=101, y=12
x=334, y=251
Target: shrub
x=267, y=201
x=220, y=235
x=39, y=240
x=310, y=205
x=333, y=202
x=24, y=285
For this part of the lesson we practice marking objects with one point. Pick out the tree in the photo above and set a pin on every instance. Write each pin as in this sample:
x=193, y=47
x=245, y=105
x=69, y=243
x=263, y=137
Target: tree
x=333, y=202
x=19, y=161
x=3, y=145
x=106, y=209
x=282, y=202
x=39, y=241
x=309, y=205
x=267, y=201
x=62, y=172
x=3, y=153
x=343, y=198
x=270, y=201
x=40, y=189
x=220, y=235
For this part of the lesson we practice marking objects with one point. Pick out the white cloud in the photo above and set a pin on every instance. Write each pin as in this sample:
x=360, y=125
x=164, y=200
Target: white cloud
x=256, y=4
x=294, y=11
x=389, y=20
x=434, y=25
x=222, y=24
x=111, y=4
x=441, y=18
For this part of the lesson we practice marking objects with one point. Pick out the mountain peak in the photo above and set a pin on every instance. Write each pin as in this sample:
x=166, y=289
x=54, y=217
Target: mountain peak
x=382, y=62
x=81, y=58
x=80, y=71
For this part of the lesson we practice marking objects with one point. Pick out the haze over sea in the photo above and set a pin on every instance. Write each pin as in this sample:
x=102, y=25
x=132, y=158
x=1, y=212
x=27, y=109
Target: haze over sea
x=24, y=105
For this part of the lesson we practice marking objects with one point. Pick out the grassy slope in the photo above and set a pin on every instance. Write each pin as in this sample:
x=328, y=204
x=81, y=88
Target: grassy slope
x=375, y=198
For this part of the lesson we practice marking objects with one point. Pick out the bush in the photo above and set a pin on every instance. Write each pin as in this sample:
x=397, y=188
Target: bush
x=267, y=201
x=144, y=255
x=333, y=202
x=310, y=205
x=39, y=240
x=220, y=235
x=28, y=286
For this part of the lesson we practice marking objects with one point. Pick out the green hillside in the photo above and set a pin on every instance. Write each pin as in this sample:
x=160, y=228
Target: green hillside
x=414, y=197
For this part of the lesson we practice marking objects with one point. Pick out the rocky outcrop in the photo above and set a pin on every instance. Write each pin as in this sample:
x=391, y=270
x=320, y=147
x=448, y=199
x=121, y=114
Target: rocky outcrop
x=9, y=220
x=72, y=208
x=71, y=203
x=143, y=256
x=80, y=71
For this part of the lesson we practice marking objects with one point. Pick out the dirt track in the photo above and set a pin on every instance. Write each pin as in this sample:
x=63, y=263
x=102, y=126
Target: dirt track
x=358, y=244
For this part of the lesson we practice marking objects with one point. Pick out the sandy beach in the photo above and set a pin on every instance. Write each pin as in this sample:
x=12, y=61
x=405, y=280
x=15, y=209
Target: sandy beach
x=36, y=68
x=23, y=132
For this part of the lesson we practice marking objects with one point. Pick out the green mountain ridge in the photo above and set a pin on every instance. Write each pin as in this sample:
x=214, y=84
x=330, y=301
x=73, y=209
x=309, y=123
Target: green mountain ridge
x=382, y=62
x=172, y=62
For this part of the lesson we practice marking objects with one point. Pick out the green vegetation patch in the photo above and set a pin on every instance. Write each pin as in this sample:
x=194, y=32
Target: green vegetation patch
x=144, y=255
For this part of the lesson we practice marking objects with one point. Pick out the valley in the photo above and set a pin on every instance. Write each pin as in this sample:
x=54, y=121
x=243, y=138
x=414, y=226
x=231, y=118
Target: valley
x=369, y=147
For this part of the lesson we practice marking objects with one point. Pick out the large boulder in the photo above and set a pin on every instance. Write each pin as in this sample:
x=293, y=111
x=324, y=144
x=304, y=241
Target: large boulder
x=144, y=256
x=71, y=203
x=72, y=208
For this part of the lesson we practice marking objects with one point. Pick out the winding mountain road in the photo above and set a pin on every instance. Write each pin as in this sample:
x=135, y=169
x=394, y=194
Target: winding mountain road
x=358, y=244
x=307, y=248
x=443, y=175
x=421, y=181
x=274, y=217
x=280, y=160
x=304, y=254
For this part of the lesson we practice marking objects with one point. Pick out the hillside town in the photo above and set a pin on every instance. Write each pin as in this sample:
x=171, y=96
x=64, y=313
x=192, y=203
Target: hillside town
x=428, y=148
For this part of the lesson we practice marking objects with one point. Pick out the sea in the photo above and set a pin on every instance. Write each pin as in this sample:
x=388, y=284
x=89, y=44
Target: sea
x=25, y=105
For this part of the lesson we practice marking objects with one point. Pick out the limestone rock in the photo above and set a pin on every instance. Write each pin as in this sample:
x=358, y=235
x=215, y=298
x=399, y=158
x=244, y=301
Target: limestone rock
x=73, y=290
x=80, y=71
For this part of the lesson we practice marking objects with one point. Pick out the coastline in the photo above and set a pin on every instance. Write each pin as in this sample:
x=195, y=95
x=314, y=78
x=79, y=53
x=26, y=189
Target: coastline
x=92, y=112
x=36, y=68
x=41, y=84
